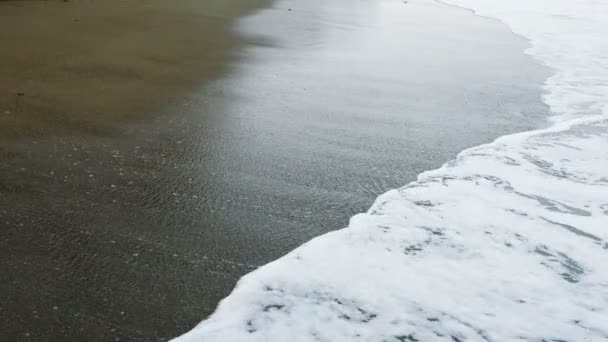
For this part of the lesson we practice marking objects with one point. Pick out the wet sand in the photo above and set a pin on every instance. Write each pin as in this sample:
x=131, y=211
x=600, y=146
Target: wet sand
x=86, y=65
x=135, y=192
x=73, y=77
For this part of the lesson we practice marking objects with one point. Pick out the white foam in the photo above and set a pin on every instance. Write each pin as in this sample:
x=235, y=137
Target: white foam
x=509, y=242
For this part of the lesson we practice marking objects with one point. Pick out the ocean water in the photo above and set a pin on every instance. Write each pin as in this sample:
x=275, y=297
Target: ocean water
x=507, y=242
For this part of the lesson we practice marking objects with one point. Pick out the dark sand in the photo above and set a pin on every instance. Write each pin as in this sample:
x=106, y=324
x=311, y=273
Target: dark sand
x=134, y=192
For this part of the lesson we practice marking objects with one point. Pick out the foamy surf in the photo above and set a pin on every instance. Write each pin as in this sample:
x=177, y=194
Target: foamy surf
x=506, y=242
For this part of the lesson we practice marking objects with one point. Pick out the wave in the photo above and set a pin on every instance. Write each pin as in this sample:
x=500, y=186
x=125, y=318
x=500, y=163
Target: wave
x=507, y=242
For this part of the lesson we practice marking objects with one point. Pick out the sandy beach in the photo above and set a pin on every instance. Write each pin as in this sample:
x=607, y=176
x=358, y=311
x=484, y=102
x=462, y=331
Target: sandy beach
x=86, y=65
x=154, y=152
x=74, y=75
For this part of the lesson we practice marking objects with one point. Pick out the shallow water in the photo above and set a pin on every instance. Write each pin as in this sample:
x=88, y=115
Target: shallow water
x=139, y=233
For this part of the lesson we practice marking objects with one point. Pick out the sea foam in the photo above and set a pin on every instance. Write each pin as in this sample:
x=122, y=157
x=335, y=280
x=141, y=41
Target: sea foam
x=508, y=242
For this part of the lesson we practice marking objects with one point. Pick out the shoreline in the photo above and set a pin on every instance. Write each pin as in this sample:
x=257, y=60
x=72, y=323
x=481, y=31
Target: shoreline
x=466, y=251
x=136, y=229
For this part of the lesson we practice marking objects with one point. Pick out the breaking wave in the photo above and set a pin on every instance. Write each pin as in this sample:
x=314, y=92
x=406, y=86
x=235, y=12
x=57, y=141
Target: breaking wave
x=507, y=242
